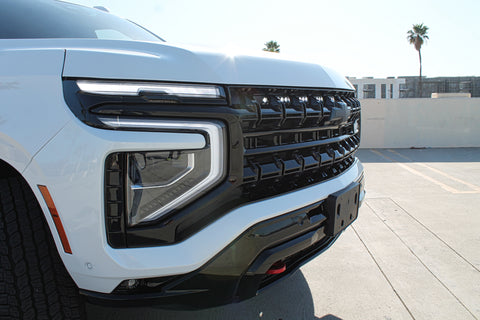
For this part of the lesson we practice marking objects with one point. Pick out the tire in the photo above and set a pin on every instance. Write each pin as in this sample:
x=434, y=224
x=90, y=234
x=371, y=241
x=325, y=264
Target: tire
x=34, y=283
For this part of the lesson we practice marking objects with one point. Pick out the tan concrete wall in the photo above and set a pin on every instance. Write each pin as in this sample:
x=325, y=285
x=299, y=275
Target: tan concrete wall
x=405, y=123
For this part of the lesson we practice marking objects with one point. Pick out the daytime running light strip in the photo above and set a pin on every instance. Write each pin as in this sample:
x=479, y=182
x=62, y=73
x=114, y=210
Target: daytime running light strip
x=135, y=88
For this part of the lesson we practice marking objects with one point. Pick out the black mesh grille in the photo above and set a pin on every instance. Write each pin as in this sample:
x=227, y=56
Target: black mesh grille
x=294, y=137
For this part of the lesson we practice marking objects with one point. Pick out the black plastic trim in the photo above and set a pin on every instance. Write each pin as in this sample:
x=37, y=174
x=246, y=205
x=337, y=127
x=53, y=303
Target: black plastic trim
x=294, y=146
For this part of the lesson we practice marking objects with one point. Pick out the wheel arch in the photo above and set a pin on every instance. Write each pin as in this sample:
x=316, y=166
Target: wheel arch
x=9, y=171
x=30, y=259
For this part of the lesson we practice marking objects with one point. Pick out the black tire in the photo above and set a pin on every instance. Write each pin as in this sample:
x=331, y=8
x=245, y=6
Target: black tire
x=34, y=284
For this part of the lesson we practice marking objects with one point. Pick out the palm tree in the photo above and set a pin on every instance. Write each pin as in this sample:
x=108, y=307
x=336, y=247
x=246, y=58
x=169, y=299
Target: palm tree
x=417, y=37
x=272, y=46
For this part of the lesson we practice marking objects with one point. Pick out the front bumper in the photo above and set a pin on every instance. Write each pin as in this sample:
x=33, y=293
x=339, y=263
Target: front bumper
x=71, y=164
x=240, y=270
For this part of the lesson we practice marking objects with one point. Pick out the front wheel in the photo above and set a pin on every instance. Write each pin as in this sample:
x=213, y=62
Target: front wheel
x=34, y=283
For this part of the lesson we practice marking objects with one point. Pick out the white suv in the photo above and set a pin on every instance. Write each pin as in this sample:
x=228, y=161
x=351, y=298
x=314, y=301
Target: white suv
x=136, y=171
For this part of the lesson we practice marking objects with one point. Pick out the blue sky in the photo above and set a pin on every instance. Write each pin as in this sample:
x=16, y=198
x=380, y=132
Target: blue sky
x=358, y=38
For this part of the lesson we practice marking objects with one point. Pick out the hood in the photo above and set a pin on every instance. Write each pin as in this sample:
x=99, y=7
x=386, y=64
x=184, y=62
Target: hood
x=135, y=60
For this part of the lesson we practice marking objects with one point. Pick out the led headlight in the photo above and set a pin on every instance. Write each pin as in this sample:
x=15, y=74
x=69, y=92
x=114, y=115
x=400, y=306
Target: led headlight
x=157, y=182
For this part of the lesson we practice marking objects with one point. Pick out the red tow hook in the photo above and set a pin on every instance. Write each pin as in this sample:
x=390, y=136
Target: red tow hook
x=277, y=268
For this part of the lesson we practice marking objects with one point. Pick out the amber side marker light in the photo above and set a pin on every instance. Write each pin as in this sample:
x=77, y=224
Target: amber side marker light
x=56, y=218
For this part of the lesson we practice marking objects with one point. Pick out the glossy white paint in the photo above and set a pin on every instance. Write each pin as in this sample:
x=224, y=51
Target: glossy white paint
x=31, y=102
x=161, y=61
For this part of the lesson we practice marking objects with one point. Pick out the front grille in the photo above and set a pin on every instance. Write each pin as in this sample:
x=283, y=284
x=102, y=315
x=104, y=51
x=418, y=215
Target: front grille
x=294, y=137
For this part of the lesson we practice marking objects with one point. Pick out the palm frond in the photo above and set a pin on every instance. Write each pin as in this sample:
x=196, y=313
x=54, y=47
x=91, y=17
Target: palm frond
x=272, y=46
x=417, y=35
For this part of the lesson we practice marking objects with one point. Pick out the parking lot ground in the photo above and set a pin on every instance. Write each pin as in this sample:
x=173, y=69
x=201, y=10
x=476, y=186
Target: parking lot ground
x=413, y=252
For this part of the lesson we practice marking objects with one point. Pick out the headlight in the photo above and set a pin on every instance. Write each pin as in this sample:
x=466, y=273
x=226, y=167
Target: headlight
x=157, y=182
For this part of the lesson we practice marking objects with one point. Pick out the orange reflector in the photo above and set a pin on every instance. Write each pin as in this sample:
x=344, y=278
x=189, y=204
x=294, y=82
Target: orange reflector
x=56, y=218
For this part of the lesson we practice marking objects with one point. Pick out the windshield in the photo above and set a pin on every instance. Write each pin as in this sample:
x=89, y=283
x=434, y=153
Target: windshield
x=29, y=19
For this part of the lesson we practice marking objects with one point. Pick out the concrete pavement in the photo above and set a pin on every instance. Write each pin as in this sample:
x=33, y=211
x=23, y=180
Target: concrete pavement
x=413, y=253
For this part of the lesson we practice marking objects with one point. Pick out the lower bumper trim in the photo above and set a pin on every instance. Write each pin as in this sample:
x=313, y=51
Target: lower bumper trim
x=240, y=271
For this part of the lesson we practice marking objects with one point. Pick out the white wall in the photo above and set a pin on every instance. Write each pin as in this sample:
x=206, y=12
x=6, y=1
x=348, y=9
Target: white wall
x=405, y=123
x=394, y=82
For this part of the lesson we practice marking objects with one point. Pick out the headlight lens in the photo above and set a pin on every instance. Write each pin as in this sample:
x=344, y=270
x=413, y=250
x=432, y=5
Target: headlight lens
x=159, y=181
x=156, y=182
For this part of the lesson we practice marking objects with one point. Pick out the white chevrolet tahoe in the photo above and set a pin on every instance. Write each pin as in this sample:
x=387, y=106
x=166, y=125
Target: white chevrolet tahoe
x=137, y=171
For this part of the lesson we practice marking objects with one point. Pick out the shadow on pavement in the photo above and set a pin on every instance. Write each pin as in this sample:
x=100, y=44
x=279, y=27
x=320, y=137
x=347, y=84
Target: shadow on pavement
x=328, y=317
x=289, y=299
